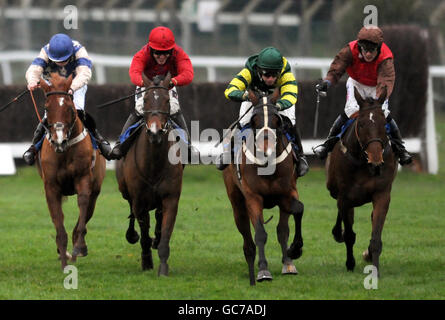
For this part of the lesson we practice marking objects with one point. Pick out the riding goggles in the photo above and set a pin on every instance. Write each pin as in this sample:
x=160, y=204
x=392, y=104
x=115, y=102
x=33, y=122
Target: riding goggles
x=269, y=73
x=368, y=46
x=162, y=52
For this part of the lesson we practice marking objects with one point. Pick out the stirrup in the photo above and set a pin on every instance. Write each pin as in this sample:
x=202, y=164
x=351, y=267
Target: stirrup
x=30, y=155
x=321, y=151
x=220, y=163
x=303, y=166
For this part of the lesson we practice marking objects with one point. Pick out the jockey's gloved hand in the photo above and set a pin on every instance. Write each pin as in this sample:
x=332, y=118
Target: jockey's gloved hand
x=245, y=96
x=323, y=85
x=279, y=106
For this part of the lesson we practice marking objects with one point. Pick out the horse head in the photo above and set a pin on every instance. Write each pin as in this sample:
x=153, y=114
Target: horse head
x=265, y=121
x=370, y=129
x=156, y=107
x=60, y=110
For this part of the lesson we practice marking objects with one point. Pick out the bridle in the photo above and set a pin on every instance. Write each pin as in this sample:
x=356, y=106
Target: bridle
x=287, y=150
x=157, y=111
x=61, y=125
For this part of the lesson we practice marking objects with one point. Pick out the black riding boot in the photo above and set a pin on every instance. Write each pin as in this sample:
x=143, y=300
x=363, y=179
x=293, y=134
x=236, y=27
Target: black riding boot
x=90, y=124
x=120, y=149
x=303, y=166
x=193, y=153
x=30, y=155
x=397, y=143
x=322, y=150
x=223, y=160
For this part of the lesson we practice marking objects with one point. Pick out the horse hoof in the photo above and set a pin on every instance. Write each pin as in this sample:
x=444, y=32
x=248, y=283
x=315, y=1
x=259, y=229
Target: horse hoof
x=67, y=255
x=132, y=237
x=338, y=236
x=79, y=252
x=350, y=265
x=163, y=270
x=264, y=275
x=289, y=269
x=147, y=262
x=366, y=256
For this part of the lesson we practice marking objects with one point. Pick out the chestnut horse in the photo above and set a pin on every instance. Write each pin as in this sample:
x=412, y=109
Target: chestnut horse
x=148, y=179
x=250, y=189
x=361, y=169
x=68, y=165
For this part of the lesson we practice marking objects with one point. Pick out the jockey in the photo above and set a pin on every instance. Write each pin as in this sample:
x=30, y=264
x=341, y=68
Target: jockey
x=67, y=57
x=265, y=72
x=158, y=57
x=370, y=66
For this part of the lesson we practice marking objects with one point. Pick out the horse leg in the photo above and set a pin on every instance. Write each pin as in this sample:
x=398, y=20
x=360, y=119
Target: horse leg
x=139, y=209
x=255, y=209
x=296, y=209
x=54, y=201
x=131, y=235
x=380, y=208
x=169, y=212
x=337, y=231
x=83, y=188
x=243, y=224
x=158, y=216
x=283, y=237
x=347, y=214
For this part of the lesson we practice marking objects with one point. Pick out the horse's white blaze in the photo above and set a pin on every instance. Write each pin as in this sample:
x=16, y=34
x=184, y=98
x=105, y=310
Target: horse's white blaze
x=153, y=128
x=371, y=115
x=61, y=100
x=59, y=135
x=155, y=95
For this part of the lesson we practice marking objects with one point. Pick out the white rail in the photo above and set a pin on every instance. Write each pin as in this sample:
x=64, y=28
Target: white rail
x=211, y=64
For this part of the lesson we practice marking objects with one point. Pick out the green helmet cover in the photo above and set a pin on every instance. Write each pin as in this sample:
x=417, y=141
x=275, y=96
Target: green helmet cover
x=270, y=58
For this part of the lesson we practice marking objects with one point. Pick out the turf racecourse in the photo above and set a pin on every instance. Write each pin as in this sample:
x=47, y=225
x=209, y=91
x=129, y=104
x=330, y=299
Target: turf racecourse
x=206, y=257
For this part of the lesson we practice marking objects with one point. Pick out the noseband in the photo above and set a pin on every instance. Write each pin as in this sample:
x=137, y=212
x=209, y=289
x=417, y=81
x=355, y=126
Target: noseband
x=365, y=145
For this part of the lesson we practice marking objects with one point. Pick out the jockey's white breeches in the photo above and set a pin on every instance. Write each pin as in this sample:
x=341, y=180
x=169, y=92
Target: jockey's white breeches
x=351, y=105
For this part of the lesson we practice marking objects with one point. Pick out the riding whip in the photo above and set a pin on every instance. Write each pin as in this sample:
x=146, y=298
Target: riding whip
x=109, y=103
x=232, y=126
x=13, y=100
x=322, y=94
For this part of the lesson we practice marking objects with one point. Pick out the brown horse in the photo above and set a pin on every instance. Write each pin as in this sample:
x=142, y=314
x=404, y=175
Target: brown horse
x=250, y=189
x=361, y=169
x=149, y=180
x=68, y=164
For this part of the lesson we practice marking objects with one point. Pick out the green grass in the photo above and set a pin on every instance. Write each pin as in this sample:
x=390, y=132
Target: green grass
x=206, y=258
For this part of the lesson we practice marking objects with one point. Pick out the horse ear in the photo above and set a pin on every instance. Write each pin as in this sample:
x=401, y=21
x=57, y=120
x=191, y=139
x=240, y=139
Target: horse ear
x=44, y=85
x=382, y=97
x=147, y=81
x=358, y=97
x=167, y=79
x=69, y=80
x=275, y=95
x=252, y=97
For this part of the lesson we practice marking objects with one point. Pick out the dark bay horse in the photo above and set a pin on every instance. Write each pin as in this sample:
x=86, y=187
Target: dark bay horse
x=68, y=165
x=250, y=190
x=149, y=180
x=361, y=169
